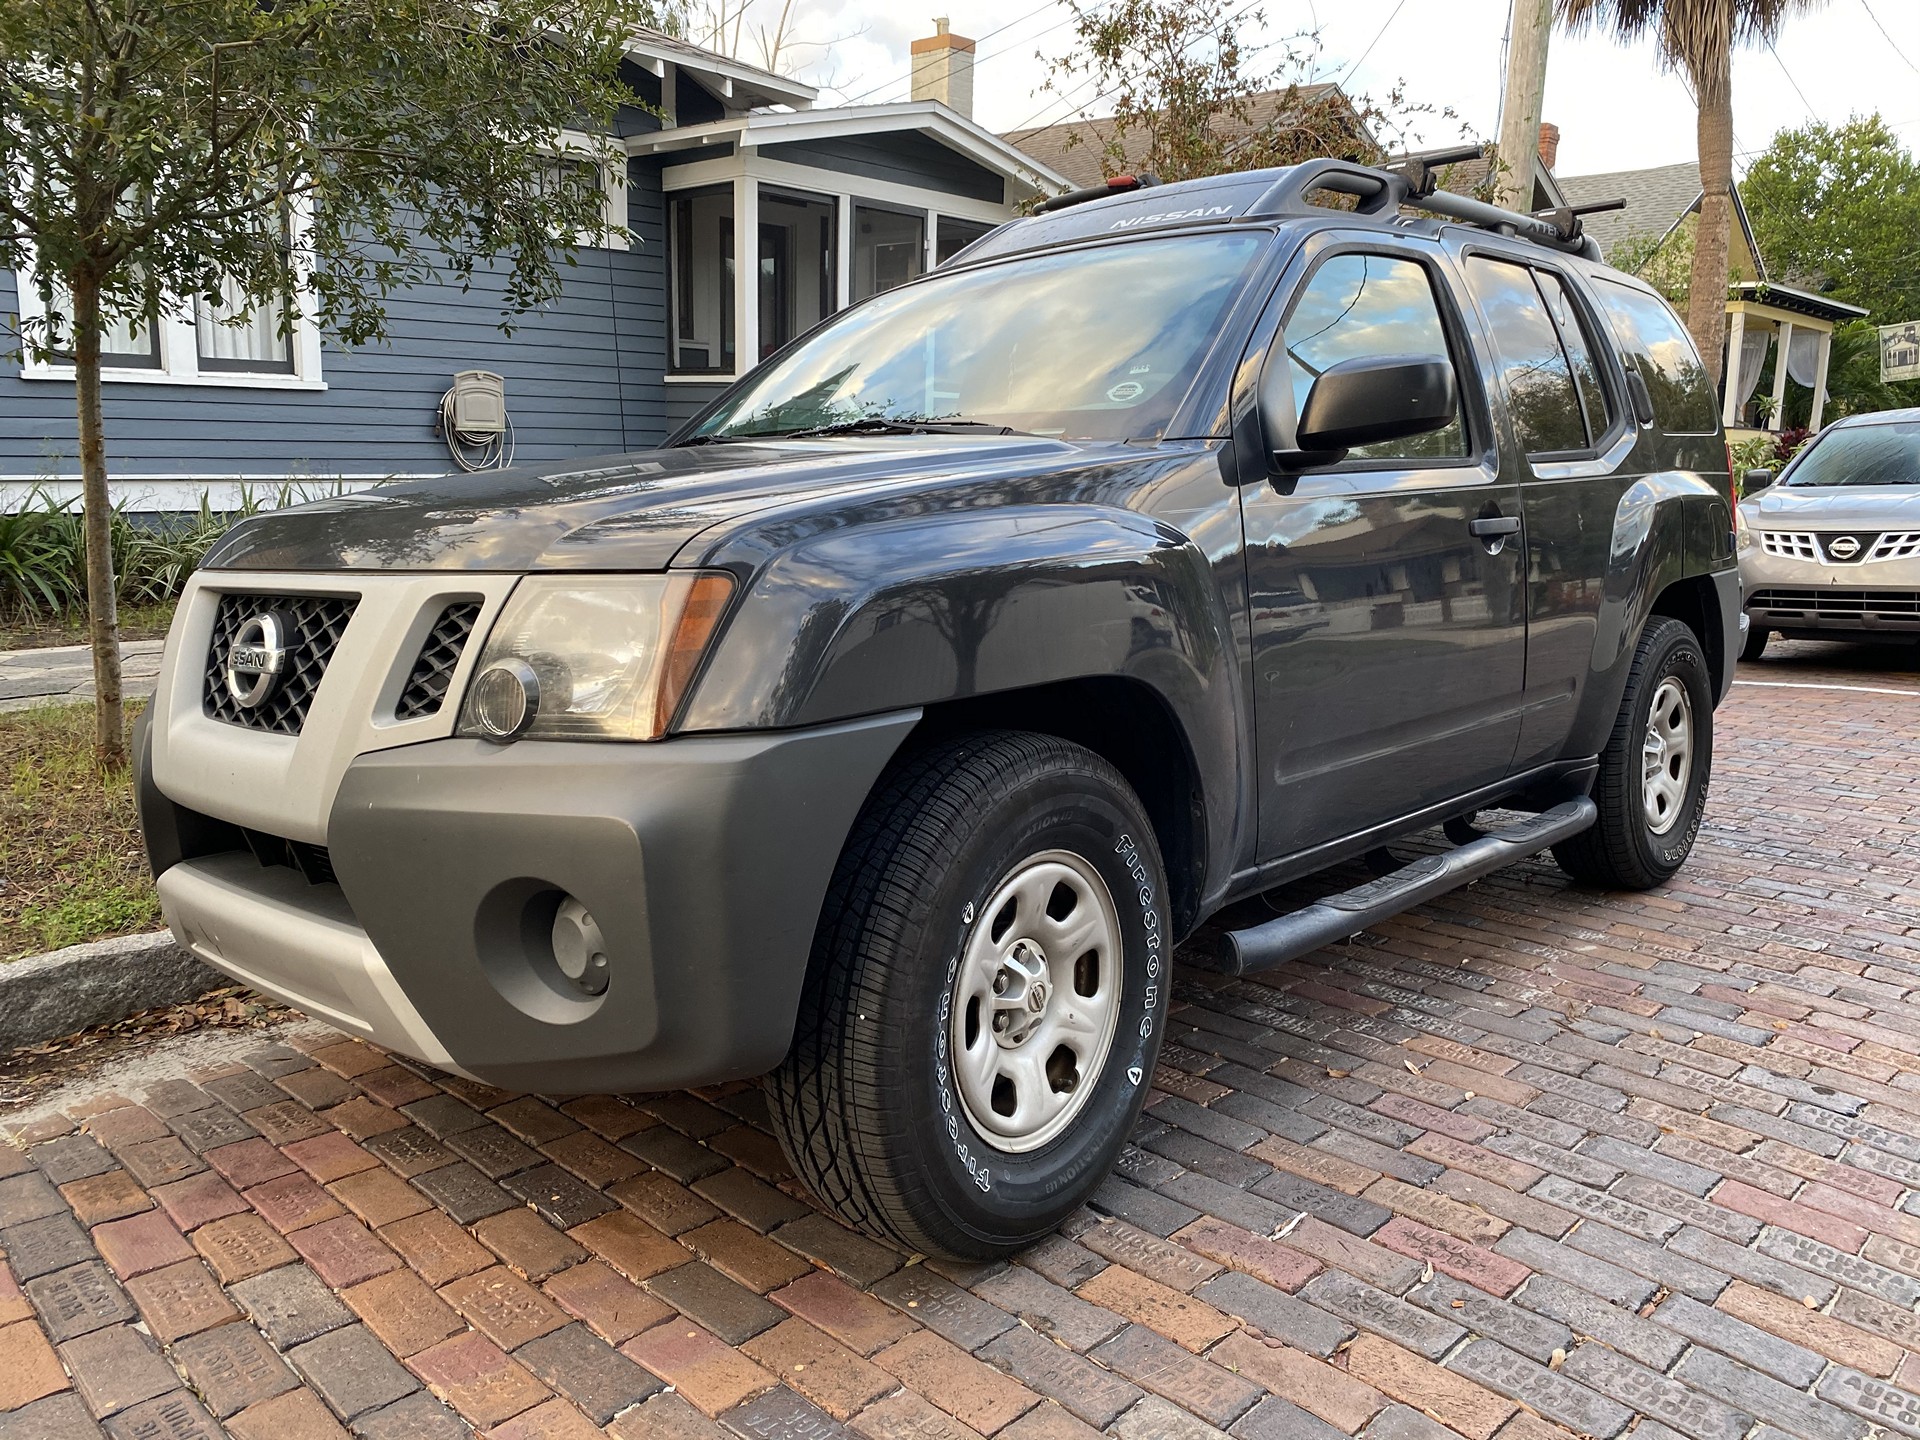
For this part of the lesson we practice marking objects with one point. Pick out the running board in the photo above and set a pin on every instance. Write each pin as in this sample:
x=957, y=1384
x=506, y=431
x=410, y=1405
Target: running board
x=1288, y=937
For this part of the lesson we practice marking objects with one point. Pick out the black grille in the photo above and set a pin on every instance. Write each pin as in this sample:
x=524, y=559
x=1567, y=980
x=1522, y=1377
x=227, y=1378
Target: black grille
x=1892, y=609
x=316, y=625
x=426, y=689
x=312, y=861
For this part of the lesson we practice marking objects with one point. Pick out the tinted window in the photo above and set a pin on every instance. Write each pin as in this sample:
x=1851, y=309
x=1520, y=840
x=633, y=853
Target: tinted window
x=1539, y=382
x=1366, y=305
x=1659, y=345
x=1573, y=339
x=1882, y=454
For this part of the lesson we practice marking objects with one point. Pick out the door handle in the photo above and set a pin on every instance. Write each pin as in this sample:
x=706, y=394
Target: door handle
x=1492, y=527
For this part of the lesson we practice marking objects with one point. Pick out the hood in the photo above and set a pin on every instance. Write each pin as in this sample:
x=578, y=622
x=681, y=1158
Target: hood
x=1836, y=507
x=622, y=512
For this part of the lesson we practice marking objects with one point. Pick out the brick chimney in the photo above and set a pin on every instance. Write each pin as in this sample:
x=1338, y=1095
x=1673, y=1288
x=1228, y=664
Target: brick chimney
x=1549, y=145
x=943, y=69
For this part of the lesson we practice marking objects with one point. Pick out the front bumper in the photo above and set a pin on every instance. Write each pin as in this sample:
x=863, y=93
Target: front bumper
x=1877, y=598
x=705, y=860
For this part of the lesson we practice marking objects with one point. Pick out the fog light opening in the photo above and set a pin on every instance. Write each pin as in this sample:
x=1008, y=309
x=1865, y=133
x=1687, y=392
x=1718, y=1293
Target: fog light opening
x=505, y=699
x=579, y=949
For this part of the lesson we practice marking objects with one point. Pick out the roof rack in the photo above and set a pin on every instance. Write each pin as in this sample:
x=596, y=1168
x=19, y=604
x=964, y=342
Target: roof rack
x=1414, y=181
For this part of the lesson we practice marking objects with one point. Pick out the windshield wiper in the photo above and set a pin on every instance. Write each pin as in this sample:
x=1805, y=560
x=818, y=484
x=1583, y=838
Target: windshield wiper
x=882, y=425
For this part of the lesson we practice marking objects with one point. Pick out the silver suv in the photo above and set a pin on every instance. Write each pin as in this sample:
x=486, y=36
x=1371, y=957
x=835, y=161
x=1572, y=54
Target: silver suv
x=1832, y=551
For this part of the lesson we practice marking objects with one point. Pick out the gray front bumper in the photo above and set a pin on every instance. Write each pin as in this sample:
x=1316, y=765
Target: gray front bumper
x=705, y=860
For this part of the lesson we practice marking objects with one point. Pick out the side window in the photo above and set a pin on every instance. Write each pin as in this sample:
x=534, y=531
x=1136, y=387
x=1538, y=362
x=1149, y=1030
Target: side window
x=1362, y=305
x=1659, y=345
x=1539, y=381
x=1573, y=338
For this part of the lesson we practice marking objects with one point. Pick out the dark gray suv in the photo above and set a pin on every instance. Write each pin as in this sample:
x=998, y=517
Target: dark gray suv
x=886, y=730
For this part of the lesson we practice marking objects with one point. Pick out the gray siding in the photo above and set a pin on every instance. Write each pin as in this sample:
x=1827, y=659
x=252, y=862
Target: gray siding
x=583, y=375
x=906, y=158
x=684, y=400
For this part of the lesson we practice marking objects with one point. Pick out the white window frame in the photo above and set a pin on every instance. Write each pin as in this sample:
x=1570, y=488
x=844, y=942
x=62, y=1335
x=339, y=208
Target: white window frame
x=179, y=343
x=610, y=156
x=747, y=170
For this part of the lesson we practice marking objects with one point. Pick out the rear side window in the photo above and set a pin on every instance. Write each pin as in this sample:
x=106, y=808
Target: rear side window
x=1359, y=305
x=1539, y=380
x=1573, y=336
x=1658, y=344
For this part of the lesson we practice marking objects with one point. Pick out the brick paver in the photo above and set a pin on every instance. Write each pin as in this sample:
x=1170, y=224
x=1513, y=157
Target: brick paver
x=1529, y=1163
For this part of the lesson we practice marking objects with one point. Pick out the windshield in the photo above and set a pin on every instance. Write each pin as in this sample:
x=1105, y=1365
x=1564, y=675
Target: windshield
x=1885, y=454
x=1090, y=344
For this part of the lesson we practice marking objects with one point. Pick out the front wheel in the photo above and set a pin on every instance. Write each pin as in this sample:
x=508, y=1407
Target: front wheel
x=985, y=998
x=1652, y=785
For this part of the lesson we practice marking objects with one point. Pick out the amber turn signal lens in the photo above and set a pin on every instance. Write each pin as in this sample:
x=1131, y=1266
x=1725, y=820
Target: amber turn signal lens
x=699, y=618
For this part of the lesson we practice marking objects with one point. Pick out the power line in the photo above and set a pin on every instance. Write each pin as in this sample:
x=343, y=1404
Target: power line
x=1890, y=41
x=1371, y=43
x=978, y=59
x=1811, y=112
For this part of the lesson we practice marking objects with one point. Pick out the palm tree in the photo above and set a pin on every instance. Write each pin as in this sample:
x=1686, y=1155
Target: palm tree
x=1697, y=37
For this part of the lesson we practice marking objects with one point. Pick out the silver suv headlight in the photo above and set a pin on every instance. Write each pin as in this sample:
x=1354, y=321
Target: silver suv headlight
x=593, y=657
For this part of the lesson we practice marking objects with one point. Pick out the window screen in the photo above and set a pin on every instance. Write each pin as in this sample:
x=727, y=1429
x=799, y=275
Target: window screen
x=1658, y=344
x=1539, y=384
x=1368, y=305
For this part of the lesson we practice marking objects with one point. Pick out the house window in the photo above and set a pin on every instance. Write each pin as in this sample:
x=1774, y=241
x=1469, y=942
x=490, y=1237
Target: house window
x=951, y=236
x=700, y=223
x=231, y=337
x=798, y=277
x=889, y=248
x=601, y=183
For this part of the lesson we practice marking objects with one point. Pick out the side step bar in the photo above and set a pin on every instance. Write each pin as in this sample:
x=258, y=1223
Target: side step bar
x=1288, y=937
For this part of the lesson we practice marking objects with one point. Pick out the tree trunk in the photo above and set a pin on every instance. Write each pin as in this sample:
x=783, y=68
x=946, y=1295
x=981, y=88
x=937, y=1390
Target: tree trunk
x=103, y=610
x=1707, y=290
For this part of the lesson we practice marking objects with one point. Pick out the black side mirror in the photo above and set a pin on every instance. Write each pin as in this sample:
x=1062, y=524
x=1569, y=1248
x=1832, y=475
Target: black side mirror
x=1368, y=400
x=1759, y=478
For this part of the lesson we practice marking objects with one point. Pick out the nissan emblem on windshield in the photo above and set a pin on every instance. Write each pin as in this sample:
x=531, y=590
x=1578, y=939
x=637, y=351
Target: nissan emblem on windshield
x=257, y=657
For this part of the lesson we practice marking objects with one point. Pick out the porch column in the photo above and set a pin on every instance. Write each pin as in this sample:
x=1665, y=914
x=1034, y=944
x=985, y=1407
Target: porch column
x=1782, y=346
x=1730, y=376
x=746, y=274
x=1820, y=379
x=843, y=253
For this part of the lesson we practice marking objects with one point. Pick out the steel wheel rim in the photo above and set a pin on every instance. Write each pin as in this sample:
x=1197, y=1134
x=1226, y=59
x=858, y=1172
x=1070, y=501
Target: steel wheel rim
x=1667, y=755
x=1036, y=1001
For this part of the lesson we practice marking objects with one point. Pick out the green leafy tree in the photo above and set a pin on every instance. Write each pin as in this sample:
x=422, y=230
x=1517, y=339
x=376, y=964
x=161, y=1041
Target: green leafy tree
x=156, y=151
x=1697, y=38
x=1189, y=96
x=1836, y=208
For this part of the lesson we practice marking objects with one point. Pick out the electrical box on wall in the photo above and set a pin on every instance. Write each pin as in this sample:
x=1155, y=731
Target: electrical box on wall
x=477, y=404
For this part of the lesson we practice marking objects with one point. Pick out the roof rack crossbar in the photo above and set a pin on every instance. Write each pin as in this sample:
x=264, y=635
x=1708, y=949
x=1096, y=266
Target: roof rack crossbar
x=1545, y=229
x=1378, y=192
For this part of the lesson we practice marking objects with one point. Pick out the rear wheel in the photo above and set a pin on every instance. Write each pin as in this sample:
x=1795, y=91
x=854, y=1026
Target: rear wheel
x=1652, y=785
x=1756, y=645
x=983, y=1006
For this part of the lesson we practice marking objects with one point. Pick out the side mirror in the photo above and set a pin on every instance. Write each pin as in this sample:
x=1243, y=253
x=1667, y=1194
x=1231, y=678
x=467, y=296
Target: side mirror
x=1368, y=400
x=1758, y=478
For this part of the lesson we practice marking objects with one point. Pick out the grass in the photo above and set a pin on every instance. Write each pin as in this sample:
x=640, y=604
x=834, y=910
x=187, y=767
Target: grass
x=71, y=863
x=138, y=621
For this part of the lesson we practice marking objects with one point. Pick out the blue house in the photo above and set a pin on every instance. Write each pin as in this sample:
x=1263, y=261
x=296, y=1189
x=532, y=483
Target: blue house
x=657, y=315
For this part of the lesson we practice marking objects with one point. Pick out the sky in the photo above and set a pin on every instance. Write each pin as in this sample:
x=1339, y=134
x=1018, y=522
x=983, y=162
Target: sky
x=1615, y=108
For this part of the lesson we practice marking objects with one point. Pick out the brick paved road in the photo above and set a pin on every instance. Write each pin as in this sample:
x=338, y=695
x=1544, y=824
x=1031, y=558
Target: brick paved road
x=1525, y=1163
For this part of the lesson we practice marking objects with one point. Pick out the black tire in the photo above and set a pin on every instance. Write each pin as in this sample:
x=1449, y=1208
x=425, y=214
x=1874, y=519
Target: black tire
x=1756, y=645
x=1622, y=850
x=866, y=1104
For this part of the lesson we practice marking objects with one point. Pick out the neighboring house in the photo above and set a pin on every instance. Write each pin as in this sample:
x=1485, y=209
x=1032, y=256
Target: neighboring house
x=1763, y=315
x=839, y=202
x=1078, y=148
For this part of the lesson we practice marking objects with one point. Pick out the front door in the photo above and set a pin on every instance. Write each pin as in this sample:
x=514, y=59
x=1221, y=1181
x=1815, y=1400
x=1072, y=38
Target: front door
x=1387, y=599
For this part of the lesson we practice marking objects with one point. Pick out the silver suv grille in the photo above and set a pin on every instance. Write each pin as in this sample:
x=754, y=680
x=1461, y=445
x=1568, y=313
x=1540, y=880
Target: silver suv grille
x=318, y=622
x=1820, y=546
x=1892, y=609
x=426, y=688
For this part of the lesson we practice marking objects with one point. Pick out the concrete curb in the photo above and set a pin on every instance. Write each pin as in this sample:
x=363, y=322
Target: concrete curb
x=46, y=996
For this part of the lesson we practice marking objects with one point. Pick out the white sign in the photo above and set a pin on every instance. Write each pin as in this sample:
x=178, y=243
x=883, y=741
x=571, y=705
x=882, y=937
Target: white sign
x=1900, y=352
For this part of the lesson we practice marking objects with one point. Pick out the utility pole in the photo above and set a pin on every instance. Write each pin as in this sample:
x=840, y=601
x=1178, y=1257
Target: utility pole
x=1520, y=102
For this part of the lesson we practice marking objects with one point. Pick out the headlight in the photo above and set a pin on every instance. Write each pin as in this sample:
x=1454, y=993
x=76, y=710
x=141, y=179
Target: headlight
x=592, y=657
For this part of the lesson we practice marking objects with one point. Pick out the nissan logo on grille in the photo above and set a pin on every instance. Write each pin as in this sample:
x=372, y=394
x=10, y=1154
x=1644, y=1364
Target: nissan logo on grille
x=258, y=657
x=1843, y=547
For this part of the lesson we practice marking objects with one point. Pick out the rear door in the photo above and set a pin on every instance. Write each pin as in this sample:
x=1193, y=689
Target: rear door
x=1388, y=636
